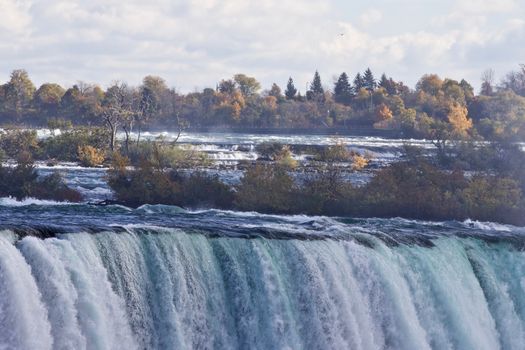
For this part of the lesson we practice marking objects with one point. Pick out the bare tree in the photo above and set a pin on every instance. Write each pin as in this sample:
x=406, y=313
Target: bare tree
x=117, y=110
x=487, y=82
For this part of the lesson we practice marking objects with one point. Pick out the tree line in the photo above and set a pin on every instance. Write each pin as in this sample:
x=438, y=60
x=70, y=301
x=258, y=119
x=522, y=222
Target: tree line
x=436, y=108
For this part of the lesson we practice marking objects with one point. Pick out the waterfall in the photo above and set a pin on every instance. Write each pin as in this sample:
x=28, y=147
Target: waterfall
x=160, y=288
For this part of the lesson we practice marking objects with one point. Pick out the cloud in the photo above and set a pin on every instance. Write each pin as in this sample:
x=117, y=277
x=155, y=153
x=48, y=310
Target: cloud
x=196, y=43
x=371, y=16
x=14, y=18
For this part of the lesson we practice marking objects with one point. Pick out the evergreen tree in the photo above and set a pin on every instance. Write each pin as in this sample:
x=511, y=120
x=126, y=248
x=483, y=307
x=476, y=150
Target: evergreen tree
x=369, y=80
x=383, y=82
x=343, y=89
x=388, y=84
x=316, y=91
x=291, y=90
x=359, y=83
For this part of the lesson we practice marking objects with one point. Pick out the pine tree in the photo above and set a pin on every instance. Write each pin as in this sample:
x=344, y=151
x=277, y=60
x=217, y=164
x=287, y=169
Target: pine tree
x=369, y=80
x=343, y=89
x=291, y=90
x=383, y=82
x=388, y=84
x=316, y=91
x=359, y=83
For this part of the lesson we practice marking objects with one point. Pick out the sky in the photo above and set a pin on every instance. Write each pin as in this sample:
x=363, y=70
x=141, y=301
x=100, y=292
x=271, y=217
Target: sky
x=194, y=44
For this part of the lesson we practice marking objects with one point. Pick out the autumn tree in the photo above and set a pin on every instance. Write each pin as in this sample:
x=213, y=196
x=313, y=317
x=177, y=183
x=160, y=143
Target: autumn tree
x=458, y=119
x=248, y=86
x=48, y=97
x=383, y=113
x=430, y=84
x=276, y=92
x=19, y=92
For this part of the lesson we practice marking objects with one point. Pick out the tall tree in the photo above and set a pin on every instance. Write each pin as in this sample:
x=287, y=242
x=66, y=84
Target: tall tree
x=148, y=106
x=515, y=81
x=359, y=83
x=276, y=92
x=316, y=91
x=342, y=89
x=487, y=83
x=291, y=90
x=227, y=86
x=369, y=81
x=117, y=109
x=47, y=98
x=19, y=92
x=388, y=84
x=248, y=86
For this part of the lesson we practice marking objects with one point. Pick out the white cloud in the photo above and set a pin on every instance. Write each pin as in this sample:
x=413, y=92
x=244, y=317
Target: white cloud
x=14, y=18
x=196, y=43
x=371, y=16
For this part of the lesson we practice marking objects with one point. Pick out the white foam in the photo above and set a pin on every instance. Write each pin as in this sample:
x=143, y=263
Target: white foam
x=13, y=202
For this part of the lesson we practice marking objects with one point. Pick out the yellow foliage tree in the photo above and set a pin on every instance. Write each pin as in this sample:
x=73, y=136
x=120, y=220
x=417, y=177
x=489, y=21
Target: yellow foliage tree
x=458, y=118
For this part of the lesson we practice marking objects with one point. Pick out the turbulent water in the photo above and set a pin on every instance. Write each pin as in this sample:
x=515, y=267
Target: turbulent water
x=159, y=277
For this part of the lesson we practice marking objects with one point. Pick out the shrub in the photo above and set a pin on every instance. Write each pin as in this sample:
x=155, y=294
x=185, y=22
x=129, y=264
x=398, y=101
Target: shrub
x=164, y=155
x=23, y=181
x=200, y=189
x=266, y=188
x=89, y=156
x=65, y=146
x=13, y=142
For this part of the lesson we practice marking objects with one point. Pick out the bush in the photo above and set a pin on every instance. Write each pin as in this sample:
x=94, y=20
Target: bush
x=23, y=181
x=89, y=156
x=65, y=146
x=147, y=184
x=165, y=156
x=13, y=142
x=266, y=188
x=202, y=190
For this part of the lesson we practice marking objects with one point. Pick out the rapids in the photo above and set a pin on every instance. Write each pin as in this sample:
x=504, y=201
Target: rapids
x=160, y=277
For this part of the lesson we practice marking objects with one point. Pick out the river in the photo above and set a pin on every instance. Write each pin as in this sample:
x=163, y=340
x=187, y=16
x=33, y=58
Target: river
x=76, y=276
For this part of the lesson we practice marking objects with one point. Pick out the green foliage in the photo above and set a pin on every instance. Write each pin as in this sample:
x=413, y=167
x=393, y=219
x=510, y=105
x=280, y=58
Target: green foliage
x=23, y=181
x=359, y=83
x=18, y=93
x=65, y=146
x=343, y=92
x=316, y=91
x=201, y=190
x=48, y=97
x=163, y=155
x=291, y=90
x=369, y=82
x=14, y=142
